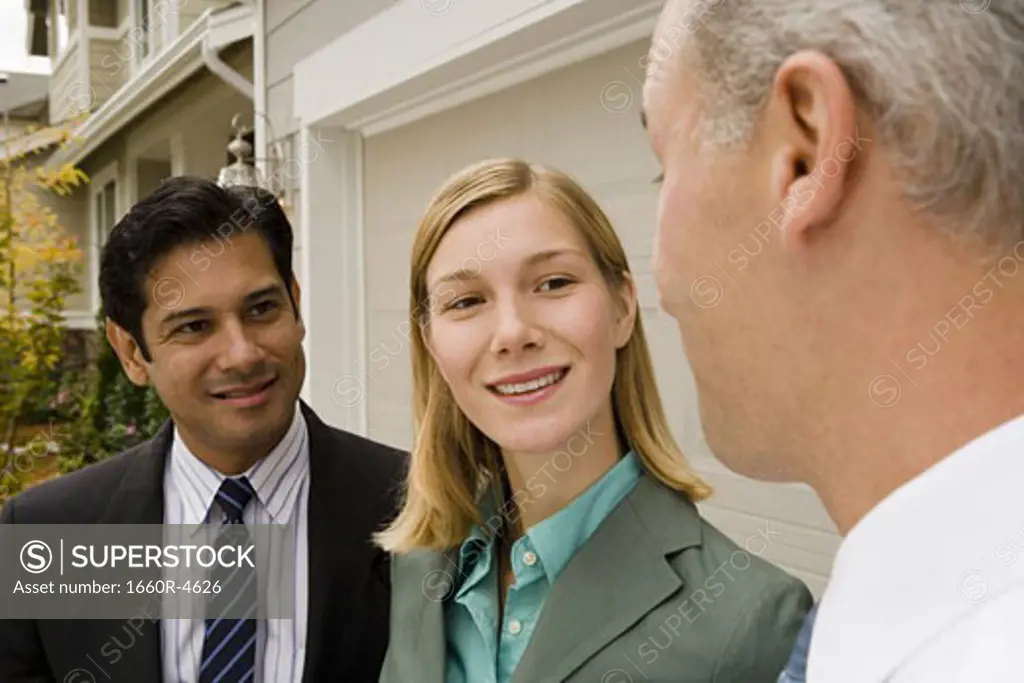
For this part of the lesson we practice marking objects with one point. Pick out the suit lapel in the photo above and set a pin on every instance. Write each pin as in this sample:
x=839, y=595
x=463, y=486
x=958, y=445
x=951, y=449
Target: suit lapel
x=325, y=563
x=339, y=556
x=615, y=579
x=423, y=581
x=138, y=499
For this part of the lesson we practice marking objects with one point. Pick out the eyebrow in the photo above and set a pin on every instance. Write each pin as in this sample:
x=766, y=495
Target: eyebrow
x=179, y=315
x=464, y=274
x=262, y=292
x=250, y=298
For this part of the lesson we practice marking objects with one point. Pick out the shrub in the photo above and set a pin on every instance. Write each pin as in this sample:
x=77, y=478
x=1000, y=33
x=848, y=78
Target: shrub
x=112, y=414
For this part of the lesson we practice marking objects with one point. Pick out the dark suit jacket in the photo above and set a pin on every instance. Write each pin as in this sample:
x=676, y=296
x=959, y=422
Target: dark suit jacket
x=656, y=595
x=353, y=488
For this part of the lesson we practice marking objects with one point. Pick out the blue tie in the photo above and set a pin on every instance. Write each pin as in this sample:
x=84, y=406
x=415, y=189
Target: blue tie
x=796, y=667
x=229, y=646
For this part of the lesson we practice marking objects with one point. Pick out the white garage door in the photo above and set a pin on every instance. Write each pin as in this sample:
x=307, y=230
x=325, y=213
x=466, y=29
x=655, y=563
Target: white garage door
x=561, y=120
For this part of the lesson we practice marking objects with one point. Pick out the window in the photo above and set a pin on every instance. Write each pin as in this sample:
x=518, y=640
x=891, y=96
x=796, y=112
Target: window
x=105, y=210
x=141, y=29
x=103, y=215
x=153, y=27
x=103, y=13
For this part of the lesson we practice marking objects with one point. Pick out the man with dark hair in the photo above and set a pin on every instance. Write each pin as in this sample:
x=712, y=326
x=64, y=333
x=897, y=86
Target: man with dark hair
x=202, y=304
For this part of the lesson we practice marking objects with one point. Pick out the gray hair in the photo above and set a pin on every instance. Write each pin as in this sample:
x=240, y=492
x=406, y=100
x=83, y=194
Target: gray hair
x=943, y=82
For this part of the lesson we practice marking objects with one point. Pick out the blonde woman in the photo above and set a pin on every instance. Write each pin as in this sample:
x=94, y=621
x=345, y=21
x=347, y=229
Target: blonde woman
x=549, y=531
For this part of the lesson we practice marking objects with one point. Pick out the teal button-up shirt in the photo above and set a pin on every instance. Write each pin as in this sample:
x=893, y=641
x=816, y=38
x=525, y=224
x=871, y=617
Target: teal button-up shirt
x=477, y=651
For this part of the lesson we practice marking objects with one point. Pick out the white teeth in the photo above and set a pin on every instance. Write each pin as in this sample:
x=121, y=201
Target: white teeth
x=532, y=385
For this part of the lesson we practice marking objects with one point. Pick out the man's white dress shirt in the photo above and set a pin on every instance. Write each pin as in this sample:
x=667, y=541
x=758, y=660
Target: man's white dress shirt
x=929, y=586
x=281, y=482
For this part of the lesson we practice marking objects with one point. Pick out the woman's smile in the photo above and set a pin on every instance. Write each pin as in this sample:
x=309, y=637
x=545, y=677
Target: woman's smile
x=529, y=388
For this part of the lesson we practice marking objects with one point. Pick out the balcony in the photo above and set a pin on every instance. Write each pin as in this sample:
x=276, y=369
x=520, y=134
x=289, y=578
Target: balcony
x=99, y=46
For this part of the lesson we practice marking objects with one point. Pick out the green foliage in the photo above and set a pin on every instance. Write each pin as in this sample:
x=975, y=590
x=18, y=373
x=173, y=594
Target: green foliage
x=82, y=416
x=39, y=269
x=112, y=413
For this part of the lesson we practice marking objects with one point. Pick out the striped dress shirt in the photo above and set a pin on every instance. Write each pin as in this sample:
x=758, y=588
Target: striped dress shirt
x=281, y=482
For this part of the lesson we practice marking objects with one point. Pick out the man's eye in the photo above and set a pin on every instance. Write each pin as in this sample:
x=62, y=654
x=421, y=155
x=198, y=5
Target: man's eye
x=193, y=327
x=264, y=307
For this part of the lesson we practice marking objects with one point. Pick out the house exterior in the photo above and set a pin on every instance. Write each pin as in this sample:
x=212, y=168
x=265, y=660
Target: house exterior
x=374, y=103
x=146, y=89
x=22, y=102
x=26, y=142
x=23, y=115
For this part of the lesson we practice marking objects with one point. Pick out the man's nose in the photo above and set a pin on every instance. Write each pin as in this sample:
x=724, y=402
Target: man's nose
x=241, y=348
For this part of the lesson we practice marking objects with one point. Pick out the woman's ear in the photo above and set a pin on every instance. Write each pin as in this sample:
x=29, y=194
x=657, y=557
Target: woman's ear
x=626, y=310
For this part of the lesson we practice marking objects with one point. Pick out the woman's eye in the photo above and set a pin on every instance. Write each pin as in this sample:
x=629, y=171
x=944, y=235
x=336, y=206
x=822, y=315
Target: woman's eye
x=555, y=283
x=462, y=303
x=659, y=180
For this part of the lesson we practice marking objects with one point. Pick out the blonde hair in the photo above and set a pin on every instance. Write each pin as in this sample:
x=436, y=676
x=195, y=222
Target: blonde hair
x=452, y=461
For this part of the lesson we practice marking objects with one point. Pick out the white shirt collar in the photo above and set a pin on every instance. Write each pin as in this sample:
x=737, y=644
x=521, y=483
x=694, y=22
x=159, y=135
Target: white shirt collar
x=275, y=478
x=922, y=558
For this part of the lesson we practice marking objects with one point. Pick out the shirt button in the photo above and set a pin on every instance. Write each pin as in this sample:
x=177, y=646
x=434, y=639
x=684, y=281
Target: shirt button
x=515, y=626
x=529, y=558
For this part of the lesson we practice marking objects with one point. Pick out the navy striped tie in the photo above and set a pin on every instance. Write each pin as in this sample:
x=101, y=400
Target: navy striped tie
x=229, y=645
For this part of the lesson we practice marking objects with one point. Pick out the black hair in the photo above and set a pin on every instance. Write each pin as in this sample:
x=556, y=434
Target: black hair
x=184, y=210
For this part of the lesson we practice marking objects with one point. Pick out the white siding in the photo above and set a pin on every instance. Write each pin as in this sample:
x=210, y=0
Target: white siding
x=70, y=89
x=297, y=29
x=200, y=111
x=109, y=67
x=560, y=119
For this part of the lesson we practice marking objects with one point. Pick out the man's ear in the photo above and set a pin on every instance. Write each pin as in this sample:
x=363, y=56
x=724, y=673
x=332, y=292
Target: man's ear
x=811, y=130
x=296, y=292
x=626, y=310
x=129, y=353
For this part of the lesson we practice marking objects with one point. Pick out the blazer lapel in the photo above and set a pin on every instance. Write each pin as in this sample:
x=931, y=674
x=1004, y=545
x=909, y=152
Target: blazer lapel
x=422, y=583
x=615, y=579
x=138, y=499
x=339, y=556
x=327, y=568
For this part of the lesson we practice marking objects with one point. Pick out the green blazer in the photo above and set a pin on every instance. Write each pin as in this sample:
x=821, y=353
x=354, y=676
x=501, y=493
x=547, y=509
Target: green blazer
x=656, y=595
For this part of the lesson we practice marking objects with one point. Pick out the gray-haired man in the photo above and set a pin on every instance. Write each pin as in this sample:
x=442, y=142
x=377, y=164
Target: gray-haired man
x=855, y=170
